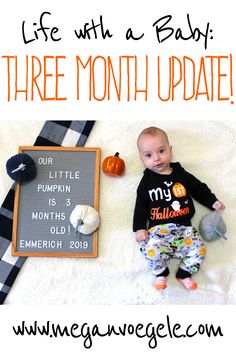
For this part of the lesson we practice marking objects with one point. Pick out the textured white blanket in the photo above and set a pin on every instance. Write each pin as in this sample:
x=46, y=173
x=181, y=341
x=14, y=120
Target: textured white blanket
x=120, y=275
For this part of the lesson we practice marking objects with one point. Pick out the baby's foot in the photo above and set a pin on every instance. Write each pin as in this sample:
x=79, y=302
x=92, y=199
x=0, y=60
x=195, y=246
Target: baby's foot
x=160, y=283
x=188, y=283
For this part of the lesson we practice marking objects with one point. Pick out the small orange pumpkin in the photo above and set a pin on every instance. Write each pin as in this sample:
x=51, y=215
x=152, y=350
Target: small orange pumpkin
x=179, y=190
x=113, y=165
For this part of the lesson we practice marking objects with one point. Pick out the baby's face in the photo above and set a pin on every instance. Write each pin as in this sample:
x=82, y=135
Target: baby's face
x=155, y=153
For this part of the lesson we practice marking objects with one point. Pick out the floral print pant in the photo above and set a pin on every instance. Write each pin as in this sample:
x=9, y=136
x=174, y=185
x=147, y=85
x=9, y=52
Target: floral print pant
x=171, y=240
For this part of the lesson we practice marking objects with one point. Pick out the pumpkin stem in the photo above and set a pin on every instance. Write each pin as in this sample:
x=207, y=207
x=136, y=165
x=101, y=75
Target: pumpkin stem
x=117, y=154
x=219, y=233
x=79, y=223
x=21, y=167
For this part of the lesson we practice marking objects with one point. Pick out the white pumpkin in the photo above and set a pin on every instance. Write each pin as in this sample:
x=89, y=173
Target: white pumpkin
x=84, y=219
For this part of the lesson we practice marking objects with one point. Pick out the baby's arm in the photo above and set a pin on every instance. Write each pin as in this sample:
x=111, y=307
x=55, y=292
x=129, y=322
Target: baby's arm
x=141, y=235
x=218, y=205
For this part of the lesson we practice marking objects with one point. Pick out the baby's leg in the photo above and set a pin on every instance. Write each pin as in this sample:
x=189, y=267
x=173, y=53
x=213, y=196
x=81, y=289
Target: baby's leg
x=156, y=254
x=193, y=252
x=157, y=250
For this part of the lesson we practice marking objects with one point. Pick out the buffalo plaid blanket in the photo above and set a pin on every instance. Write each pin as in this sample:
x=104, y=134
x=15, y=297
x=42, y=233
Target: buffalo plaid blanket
x=56, y=133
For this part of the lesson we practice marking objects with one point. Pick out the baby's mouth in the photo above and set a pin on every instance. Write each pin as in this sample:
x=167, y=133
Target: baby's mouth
x=160, y=165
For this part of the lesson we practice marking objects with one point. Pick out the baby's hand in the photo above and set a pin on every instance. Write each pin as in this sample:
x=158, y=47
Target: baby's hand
x=141, y=235
x=218, y=205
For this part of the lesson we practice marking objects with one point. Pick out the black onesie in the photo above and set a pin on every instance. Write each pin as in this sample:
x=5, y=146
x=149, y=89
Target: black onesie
x=163, y=199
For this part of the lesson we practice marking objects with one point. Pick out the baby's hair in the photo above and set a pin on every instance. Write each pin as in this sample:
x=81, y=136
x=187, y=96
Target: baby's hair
x=152, y=131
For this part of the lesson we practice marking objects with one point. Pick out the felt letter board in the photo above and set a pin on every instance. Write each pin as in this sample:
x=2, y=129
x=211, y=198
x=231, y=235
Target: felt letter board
x=66, y=177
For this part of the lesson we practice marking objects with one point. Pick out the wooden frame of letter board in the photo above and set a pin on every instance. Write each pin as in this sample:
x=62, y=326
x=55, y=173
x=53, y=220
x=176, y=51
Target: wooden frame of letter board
x=94, y=253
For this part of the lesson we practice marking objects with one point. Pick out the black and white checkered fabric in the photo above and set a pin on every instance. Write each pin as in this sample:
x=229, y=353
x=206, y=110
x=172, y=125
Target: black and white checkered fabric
x=56, y=133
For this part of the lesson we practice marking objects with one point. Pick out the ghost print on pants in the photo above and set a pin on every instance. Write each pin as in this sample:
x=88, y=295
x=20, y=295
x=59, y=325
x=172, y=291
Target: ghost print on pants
x=171, y=240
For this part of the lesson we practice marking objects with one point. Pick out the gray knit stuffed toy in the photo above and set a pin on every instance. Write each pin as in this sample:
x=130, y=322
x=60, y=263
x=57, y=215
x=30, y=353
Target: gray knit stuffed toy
x=212, y=226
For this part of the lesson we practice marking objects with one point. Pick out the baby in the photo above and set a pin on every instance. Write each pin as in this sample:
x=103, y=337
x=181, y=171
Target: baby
x=164, y=205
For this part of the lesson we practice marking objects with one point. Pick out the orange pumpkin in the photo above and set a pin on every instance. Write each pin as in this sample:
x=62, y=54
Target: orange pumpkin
x=179, y=190
x=113, y=165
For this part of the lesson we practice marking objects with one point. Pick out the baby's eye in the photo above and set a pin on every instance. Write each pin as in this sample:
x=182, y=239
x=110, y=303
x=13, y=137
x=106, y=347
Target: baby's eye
x=162, y=151
x=148, y=155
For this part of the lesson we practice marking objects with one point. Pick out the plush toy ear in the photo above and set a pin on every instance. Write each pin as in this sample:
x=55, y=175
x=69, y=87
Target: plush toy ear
x=21, y=168
x=85, y=219
x=212, y=226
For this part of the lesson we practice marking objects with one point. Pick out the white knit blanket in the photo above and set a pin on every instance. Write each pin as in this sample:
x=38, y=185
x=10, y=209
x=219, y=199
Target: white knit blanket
x=120, y=275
